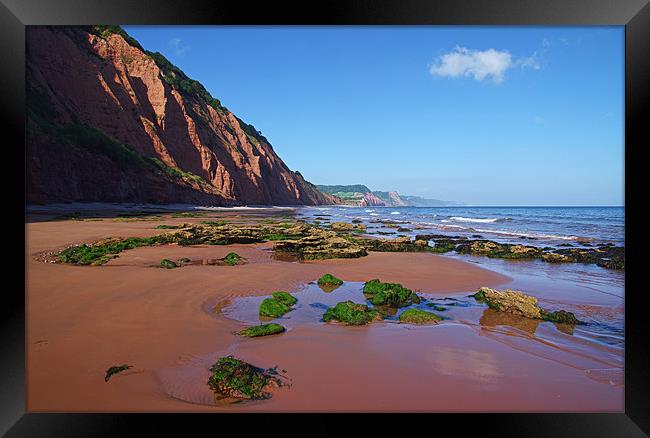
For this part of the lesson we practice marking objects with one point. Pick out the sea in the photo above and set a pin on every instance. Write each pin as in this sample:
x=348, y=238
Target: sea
x=537, y=226
x=595, y=294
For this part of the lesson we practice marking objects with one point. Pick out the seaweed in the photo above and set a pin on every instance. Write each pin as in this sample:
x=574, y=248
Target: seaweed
x=350, y=313
x=168, y=264
x=232, y=259
x=418, y=316
x=329, y=280
x=234, y=378
x=284, y=297
x=262, y=330
x=278, y=305
x=389, y=294
x=115, y=370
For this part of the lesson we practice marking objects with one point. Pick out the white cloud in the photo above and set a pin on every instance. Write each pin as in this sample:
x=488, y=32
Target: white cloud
x=529, y=62
x=176, y=44
x=484, y=64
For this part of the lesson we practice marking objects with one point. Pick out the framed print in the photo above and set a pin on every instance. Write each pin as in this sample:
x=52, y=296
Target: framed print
x=374, y=208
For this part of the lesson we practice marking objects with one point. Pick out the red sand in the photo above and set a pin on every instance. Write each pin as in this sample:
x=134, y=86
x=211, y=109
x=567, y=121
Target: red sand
x=82, y=320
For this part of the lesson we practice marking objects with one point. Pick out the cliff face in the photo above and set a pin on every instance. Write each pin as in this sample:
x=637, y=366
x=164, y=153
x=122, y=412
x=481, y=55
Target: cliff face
x=108, y=121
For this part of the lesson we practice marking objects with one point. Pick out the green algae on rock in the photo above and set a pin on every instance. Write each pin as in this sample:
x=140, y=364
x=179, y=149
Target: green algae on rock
x=115, y=370
x=262, y=330
x=350, y=313
x=168, y=264
x=418, y=316
x=102, y=251
x=329, y=283
x=284, y=297
x=280, y=303
x=436, y=307
x=234, y=378
x=321, y=244
x=389, y=294
x=232, y=259
x=329, y=280
x=560, y=316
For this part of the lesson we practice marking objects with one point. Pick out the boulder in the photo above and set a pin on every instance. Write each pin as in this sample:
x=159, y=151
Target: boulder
x=517, y=303
x=509, y=301
x=342, y=226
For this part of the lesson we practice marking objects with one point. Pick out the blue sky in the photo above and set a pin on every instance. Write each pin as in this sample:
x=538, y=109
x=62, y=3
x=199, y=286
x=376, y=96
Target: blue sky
x=484, y=115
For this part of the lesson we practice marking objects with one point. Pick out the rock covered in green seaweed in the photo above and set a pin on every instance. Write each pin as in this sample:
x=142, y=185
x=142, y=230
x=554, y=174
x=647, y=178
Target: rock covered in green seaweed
x=329, y=280
x=389, y=294
x=560, y=316
x=350, y=313
x=232, y=259
x=168, y=264
x=115, y=370
x=321, y=244
x=418, y=316
x=280, y=303
x=262, y=330
x=234, y=378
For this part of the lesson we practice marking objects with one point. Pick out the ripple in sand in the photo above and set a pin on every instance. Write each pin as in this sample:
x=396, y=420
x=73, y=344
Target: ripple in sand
x=611, y=376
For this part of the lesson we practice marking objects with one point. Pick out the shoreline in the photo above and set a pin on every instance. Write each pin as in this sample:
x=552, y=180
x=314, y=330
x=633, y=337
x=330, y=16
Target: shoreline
x=83, y=319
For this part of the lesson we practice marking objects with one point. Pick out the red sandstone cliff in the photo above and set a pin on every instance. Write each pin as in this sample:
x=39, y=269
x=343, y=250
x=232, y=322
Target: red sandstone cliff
x=108, y=121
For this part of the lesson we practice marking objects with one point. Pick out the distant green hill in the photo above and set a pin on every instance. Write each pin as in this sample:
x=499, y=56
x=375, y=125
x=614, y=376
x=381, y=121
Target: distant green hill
x=355, y=193
x=354, y=188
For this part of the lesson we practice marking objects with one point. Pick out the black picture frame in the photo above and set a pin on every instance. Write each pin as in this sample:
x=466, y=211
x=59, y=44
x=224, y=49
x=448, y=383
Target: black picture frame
x=633, y=14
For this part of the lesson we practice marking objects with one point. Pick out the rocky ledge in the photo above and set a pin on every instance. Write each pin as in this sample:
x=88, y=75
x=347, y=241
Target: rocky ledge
x=304, y=241
x=518, y=303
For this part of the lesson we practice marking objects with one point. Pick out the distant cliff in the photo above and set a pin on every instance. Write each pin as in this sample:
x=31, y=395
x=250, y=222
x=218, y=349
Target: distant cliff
x=356, y=194
x=361, y=195
x=109, y=121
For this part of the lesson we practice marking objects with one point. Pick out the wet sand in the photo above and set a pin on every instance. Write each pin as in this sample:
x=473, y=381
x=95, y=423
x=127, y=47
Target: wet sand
x=82, y=320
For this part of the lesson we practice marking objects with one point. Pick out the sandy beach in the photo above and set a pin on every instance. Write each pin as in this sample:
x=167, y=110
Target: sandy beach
x=168, y=324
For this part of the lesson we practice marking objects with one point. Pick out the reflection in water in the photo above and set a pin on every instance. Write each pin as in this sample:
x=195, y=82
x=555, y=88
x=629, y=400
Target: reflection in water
x=329, y=287
x=493, y=318
x=567, y=329
x=475, y=365
x=284, y=256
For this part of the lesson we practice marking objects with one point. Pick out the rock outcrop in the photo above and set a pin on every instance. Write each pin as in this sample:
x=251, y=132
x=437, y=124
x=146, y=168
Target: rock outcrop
x=517, y=303
x=109, y=121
